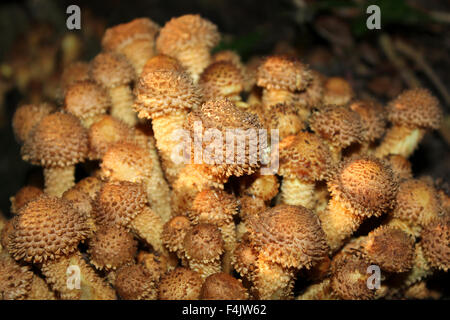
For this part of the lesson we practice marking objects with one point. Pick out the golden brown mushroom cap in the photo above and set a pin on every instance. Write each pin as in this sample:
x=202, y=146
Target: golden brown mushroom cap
x=80, y=201
x=245, y=257
x=283, y=73
x=135, y=282
x=390, y=248
x=46, y=229
x=126, y=161
x=285, y=118
x=417, y=202
x=174, y=232
x=27, y=116
x=337, y=91
x=213, y=206
x=288, y=235
x=112, y=247
x=400, y=166
x=89, y=185
x=435, y=243
x=222, y=286
x=119, y=202
x=224, y=116
x=121, y=35
x=203, y=242
x=373, y=118
x=338, y=124
x=367, y=186
x=304, y=156
x=415, y=108
x=111, y=69
x=250, y=205
x=86, y=99
x=260, y=186
x=74, y=72
x=23, y=196
x=220, y=80
x=180, y=284
x=58, y=140
x=313, y=95
x=6, y=233
x=15, y=280
x=187, y=32
x=164, y=88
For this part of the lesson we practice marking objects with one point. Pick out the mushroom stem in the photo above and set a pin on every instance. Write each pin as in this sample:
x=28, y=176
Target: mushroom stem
x=149, y=226
x=59, y=179
x=272, y=281
x=92, y=287
x=318, y=291
x=195, y=60
x=164, y=128
x=298, y=193
x=122, y=101
x=138, y=52
x=272, y=97
x=400, y=140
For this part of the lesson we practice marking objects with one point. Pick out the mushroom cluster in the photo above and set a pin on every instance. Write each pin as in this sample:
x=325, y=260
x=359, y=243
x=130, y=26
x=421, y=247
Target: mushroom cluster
x=175, y=172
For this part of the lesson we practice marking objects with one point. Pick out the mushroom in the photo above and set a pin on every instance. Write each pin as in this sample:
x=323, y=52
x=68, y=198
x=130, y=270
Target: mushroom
x=400, y=166
x=46, y=233
x=86, y=100
x=136, y=282
x=222, y=286
x=27, y=116
x=337, y=91
x=189, y=39
x=180, y=284
x=174, y=232
x=72, y=73
x=310, y=98
x=134, y=39
x=435, y=242
x=113, y=72
x=57, y=143
x=285, y=119
x=23, y=196
x=281, y=77
x=304, y=159
x=412, y=113
x=360, y=188
x=234, y=58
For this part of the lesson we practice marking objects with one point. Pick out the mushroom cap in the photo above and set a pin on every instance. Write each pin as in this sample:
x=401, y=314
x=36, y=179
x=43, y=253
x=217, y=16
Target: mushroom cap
x=349, y=278
x=187, y=32
x=312, y=97
x=111, y=69
x=6, y=233
x=119, y=202
x=339, y=125
x=365, y=185
x=106, y=132
x=250, y=205
x=222, y=286
x=373, y=118
x=417, y=202
x=304, y=156
x=180, y=284
x=390, y=248
x=15, y=280
x=174, y=232
x=112, y=247
x=79, y=200
x=27, y=116
x=260, y=186
x=23, y=196
x=415, y=108
x=58, y=140
x=74, y=72
x=400, y=166
x=203, y=242
x=164, y=88
x=230, y=56
x=126, y=161
x=46, y=229
x=288, y=235
x=136, y=282
x=241, y=128
x=162, y=62
x=285, y=118
x=283, y=73
x=337, y=91
x=89, y=185
x=435, y=243
x=244, y=258
x=221, y=79
x=213, y=206
x=119, y=36
x=86, y=99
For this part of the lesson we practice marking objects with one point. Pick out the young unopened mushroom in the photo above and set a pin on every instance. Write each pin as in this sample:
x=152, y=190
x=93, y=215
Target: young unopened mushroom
x=412, y=113
x=281, y=77
x=234, y=58
x=339, y=126
x=262, y=186
x=337, y=91
x=310, y=98
x=304, y=159
x=174, y=232
x=136, y=282
x=435, y=242
x=82, y=202
x=361, y=188
x=189, y=39
x=46, y=233
x=165, y=94
x=134, y=39
x=180, y=284
x=285, y=119
x=27, y=116
x=74, y=72
x=57, y=143
x=86, y=100
x=23, y=196
x=222, y=80
x=222, y=286
x=113, y=71
x=287, y=238
x=90, y=186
